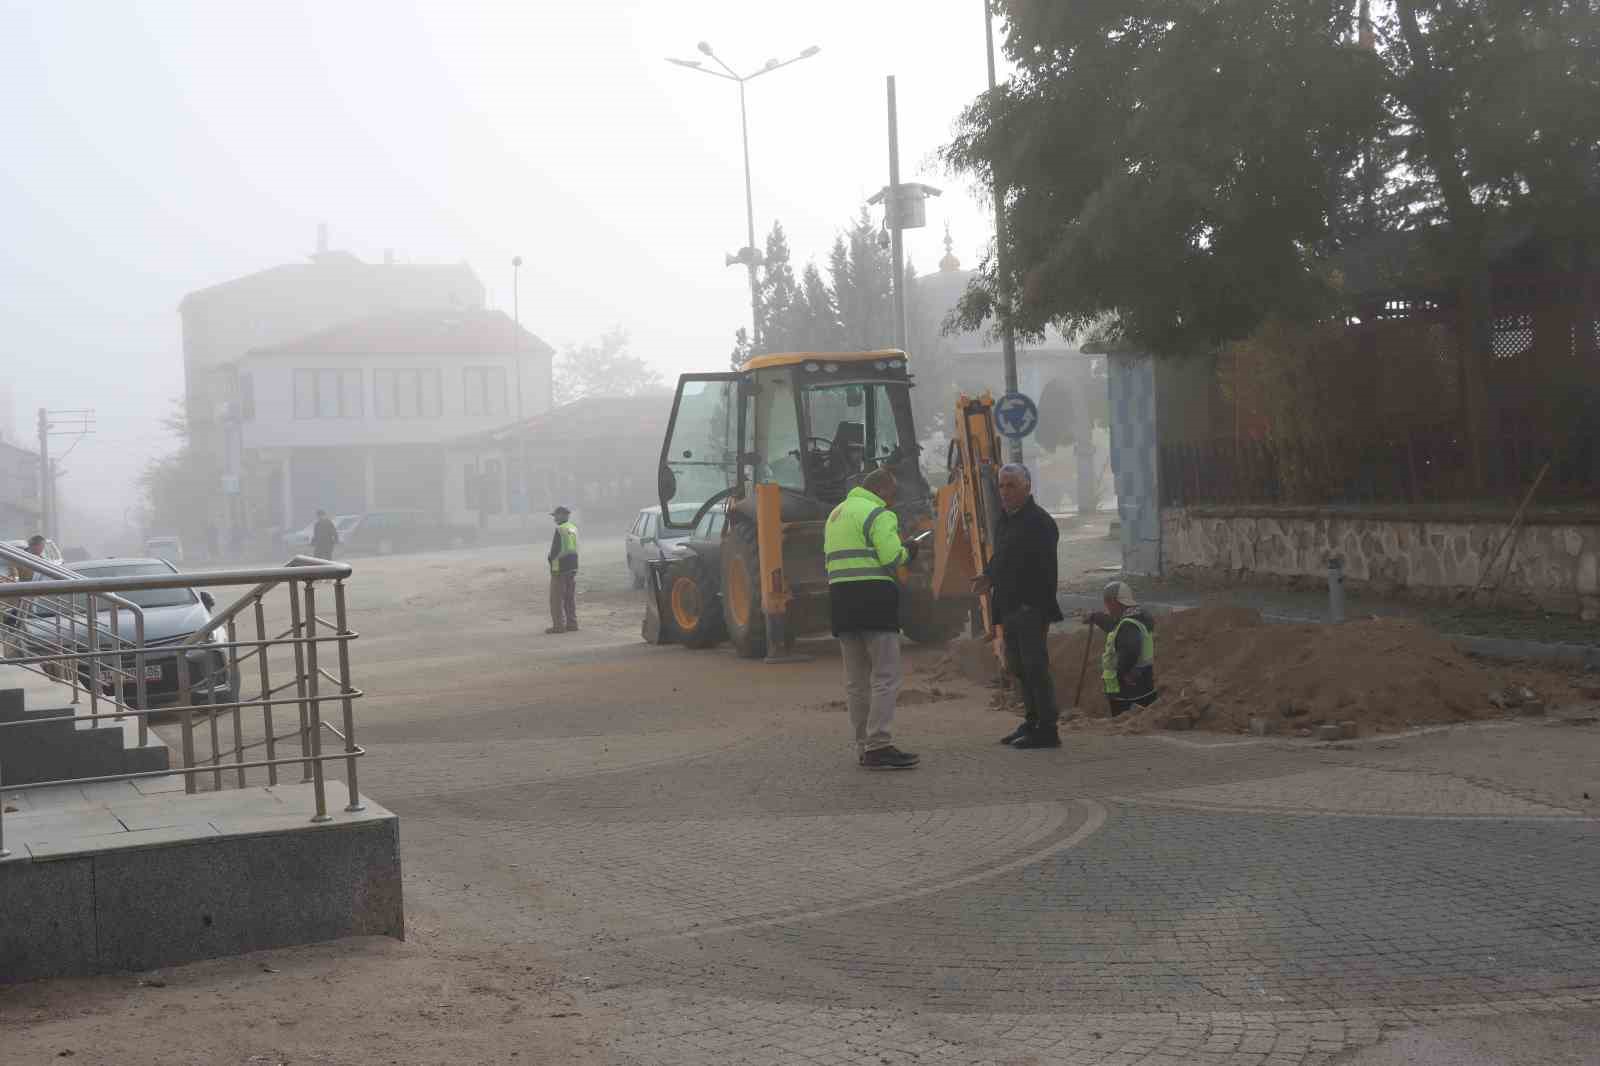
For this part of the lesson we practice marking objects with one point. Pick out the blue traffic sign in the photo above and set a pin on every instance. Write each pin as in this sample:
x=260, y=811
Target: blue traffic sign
x=1015, y=415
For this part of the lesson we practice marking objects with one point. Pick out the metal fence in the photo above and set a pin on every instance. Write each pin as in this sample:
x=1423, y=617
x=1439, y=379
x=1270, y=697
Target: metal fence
x=89, y=635
x=1411, y=468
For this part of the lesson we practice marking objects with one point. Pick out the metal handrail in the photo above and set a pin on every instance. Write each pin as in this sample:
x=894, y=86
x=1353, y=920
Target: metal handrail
x=308, y=631
x=36, y=565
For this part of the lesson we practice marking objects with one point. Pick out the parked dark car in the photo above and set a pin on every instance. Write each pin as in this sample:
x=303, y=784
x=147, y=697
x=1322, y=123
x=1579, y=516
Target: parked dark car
x=171, y=617
x=389, y=532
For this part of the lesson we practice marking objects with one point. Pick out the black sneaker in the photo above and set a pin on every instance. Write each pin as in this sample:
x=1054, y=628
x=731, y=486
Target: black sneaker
x=1039, y=738
x=1016, y=734
x=890, y=758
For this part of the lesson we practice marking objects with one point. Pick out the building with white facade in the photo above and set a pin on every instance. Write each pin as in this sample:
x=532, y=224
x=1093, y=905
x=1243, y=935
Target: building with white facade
x=223, y=322
x=354, y=418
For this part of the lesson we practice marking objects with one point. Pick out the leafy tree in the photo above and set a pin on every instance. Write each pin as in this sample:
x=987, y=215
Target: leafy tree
x=603, y=367
x=1172, y=164
x=861, y=270
x=821, y=330
x=1192, y=171
x=780, y=305
x=171, y=483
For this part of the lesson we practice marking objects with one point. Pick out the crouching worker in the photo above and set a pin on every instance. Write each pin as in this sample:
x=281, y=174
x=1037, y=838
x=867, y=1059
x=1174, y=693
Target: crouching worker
x=1128, y=662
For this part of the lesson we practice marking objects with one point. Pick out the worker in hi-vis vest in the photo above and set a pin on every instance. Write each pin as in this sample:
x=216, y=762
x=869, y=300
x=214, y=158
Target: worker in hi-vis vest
x=563, y=574
x=865, y=561
x=1128, y=660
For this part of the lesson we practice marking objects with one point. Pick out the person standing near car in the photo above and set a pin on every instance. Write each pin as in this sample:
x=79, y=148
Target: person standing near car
x=324, y=535
x=1021, y=578
x=563, y=574
x=863, y=556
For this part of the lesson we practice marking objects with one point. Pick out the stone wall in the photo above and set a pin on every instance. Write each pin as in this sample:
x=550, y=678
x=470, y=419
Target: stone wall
x=1556, y=564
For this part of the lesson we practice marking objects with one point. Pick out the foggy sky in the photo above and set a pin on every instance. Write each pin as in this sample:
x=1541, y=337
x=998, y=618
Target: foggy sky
x=155, y=148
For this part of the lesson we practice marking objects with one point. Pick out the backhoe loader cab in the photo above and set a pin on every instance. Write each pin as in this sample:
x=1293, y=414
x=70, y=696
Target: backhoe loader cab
x=782, y=440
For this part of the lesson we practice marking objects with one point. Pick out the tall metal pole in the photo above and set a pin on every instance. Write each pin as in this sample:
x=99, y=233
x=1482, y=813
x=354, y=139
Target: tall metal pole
x=750, y=226
x=892, y=210
x=1002, y=250
x=47, y=506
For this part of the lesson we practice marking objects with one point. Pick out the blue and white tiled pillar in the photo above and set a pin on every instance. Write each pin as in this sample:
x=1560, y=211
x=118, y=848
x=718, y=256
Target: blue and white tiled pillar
x=1133, y=460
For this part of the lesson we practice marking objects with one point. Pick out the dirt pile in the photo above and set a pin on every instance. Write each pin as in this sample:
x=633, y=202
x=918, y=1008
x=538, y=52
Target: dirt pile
x=1218, y=668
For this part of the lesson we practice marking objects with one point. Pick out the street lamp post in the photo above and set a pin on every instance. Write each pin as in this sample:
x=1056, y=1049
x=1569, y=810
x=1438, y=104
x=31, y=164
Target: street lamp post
x=749, y=255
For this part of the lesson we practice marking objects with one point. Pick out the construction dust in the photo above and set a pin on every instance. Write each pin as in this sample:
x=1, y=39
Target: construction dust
x=1222, y=669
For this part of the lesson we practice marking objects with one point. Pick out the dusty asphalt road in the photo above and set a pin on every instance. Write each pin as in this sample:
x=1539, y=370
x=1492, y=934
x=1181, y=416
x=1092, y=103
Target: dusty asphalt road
x=617, y=853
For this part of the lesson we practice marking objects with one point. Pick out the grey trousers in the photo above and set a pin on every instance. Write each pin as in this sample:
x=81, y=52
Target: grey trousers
x=871, y=685
x=564, y=600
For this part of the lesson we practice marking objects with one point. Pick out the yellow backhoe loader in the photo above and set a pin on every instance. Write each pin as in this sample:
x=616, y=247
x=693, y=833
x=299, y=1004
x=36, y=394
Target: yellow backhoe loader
x=753, y=462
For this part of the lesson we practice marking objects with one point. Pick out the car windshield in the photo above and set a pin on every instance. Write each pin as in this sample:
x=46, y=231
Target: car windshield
x=147, y=598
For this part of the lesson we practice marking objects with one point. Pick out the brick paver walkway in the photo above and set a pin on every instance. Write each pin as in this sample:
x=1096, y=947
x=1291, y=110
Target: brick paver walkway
x=690, y=840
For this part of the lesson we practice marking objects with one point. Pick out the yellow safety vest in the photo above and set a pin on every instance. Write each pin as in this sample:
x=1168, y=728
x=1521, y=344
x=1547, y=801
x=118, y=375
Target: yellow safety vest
x=569, y=545
x=861, y=541
x=1108, y=654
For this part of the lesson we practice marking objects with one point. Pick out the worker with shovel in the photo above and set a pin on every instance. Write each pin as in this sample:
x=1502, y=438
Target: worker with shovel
x=1128, y=661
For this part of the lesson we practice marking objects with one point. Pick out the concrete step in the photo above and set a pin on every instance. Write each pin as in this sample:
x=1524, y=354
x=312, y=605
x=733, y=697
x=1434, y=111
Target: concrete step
x=63, y=750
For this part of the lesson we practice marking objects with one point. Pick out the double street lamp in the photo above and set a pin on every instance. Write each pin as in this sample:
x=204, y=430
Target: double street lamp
x=749, y=255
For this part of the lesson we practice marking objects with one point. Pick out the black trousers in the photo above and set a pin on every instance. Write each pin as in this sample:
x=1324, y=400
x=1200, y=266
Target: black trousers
x=1119, y=705
x=1028, y=659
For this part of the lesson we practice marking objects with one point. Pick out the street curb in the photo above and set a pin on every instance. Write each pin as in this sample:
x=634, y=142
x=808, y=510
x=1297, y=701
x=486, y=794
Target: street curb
x=1575, y=656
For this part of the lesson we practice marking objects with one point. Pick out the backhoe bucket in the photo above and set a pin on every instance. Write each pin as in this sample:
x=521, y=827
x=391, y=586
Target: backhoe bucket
x=658, y=627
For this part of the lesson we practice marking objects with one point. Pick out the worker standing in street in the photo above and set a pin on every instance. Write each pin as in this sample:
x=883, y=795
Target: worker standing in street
x=1021, y=578
x=324, y=535
x=563, y=574
x=1128, y=661
x=864, y=556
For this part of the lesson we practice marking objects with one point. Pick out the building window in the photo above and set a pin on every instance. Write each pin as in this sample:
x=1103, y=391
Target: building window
x=485, y=389
x=406, y=393
x=327, y=394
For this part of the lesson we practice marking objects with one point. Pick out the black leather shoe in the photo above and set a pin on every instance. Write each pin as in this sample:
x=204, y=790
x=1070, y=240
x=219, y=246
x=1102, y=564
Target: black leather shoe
x=1016, y=734
x=890, y=758
x=1039, y=738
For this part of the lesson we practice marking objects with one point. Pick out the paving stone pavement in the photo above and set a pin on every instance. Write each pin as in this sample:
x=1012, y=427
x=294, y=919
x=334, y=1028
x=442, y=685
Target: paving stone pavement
x=742, y=893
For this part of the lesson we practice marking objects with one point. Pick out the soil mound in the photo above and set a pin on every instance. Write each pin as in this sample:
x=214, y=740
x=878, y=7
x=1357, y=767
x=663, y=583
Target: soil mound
x=1220, y=667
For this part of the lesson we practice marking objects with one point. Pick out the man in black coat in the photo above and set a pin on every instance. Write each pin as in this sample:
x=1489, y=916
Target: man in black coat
x=1021, y=578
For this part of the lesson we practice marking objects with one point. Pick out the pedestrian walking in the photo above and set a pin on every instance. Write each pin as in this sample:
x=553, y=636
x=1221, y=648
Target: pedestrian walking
x=1128, y=661
x=563, y=574
x=324, y=535
x=1021, y=581
x=864, y=557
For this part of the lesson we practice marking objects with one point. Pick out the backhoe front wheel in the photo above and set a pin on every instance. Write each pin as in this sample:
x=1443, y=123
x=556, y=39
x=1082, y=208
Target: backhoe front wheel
x=694, y=612
x=741, y=591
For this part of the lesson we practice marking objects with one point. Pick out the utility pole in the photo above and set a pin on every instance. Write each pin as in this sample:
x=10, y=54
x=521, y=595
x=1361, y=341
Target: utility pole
x=892, y=206
x=1002, y=250
x=904, y=207
x=78, y=424
x=46, y=476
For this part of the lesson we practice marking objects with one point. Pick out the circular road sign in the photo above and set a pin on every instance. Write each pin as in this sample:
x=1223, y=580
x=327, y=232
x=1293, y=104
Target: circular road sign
x=1015, y=415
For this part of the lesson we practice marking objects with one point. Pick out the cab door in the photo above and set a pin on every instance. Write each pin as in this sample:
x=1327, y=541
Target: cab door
x=700, y=456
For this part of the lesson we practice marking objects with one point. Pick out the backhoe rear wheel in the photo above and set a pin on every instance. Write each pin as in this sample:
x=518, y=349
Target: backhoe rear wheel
x=741, y=591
